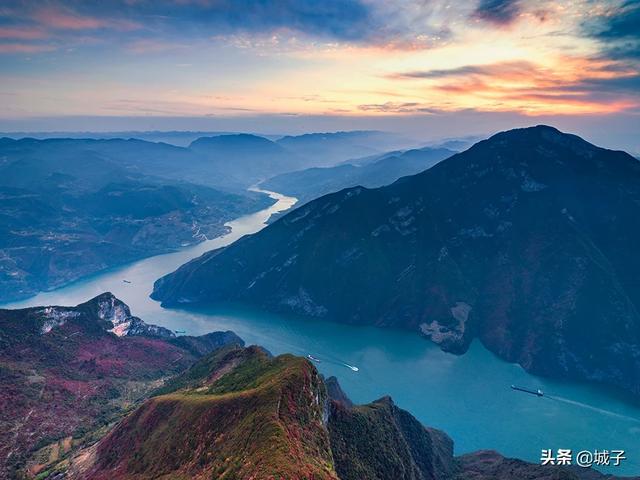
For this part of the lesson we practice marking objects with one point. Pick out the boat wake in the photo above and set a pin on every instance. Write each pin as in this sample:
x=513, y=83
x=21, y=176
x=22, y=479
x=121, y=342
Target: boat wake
x=317, y=359
x=592, y=408
x=311, y=357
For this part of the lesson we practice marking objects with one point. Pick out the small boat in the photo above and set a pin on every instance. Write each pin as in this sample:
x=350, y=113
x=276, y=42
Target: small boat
x=126, y=281
x=355, y=369
x=311, y=357
x=180, y=331
x=537, y=392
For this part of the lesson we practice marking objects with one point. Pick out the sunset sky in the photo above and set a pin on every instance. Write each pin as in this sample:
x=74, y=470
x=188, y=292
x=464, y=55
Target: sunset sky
x=381, y=61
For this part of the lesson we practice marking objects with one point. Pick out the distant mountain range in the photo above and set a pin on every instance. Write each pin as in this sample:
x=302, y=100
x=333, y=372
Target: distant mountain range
x=74, y=206
x=70, y=208
x=92, y=392
x=179, y=138
x=326, y=149
x=526, y=241
x=246, y=158
x=371, y=172
x=228, y=161
x=325, y=146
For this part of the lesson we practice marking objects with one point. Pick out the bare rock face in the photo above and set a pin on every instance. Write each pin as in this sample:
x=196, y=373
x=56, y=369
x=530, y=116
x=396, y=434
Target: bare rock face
x=108, y=308
x=526, y=241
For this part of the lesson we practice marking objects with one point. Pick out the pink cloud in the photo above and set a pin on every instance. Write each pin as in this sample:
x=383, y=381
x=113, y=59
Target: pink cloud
x=23, y=33
x=68, y=20
x=24, y=48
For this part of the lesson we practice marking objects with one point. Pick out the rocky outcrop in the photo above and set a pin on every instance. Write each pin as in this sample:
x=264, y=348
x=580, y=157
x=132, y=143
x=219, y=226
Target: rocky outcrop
x=67, y=373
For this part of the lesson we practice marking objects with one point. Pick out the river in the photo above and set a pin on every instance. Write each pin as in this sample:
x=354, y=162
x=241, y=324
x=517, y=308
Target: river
x=467, y=396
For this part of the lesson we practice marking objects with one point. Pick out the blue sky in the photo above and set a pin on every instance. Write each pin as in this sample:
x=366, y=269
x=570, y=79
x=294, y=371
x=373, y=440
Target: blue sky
x=407, y=65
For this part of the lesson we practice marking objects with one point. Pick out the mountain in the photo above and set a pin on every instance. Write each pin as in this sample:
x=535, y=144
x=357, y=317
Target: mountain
x=326, y=149
x=179, y=138
x=312, y=183
x=68, y=373
x=526, y=241
x=92, y=392
x=459, y=143
x=246, y=158
x=70, y=208
x=225, y=162
x=132, y=155
x=404, y=448
x=240, y=413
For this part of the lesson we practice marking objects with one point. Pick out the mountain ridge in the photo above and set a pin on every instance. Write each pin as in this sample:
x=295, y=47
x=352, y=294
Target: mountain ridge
x=504, y=242
x=67, y=373
x=315, y=182
x=240, y=413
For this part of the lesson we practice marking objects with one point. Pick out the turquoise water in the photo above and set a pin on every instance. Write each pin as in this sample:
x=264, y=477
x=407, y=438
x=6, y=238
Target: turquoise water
x=467, y=396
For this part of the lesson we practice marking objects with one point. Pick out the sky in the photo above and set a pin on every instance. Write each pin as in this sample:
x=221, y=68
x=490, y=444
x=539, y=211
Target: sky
x=425, y=67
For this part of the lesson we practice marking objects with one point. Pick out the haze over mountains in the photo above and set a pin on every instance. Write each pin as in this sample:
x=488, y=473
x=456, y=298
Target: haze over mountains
x=370, y=172
x=525, y=241
x=74, y=206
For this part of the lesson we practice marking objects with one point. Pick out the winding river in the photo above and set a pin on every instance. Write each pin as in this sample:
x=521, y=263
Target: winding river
x=468, y=396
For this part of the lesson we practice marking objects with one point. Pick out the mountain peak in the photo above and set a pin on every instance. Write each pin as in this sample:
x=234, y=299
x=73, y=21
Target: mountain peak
x=233, y=140
x=108, y=308
x=237, y=413
x=533, y=224
x=540, y=135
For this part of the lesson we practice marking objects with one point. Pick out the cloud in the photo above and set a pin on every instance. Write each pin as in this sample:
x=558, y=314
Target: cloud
x=498, y=12
x=413, y=24
x=606, y=87
x=24, y=48
x=514, y=68
x=624, y=23
x=618, y=30
x=578, y=84
x=398, y=107
x=336, y=19
x=67, y=19
x=23, y=33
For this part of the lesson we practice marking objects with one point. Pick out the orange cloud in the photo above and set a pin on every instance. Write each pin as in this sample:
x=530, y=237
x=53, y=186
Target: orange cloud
x=570, y=85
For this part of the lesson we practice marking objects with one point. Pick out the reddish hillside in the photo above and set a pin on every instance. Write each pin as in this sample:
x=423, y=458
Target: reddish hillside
x=239, y=414
x=64, y=373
